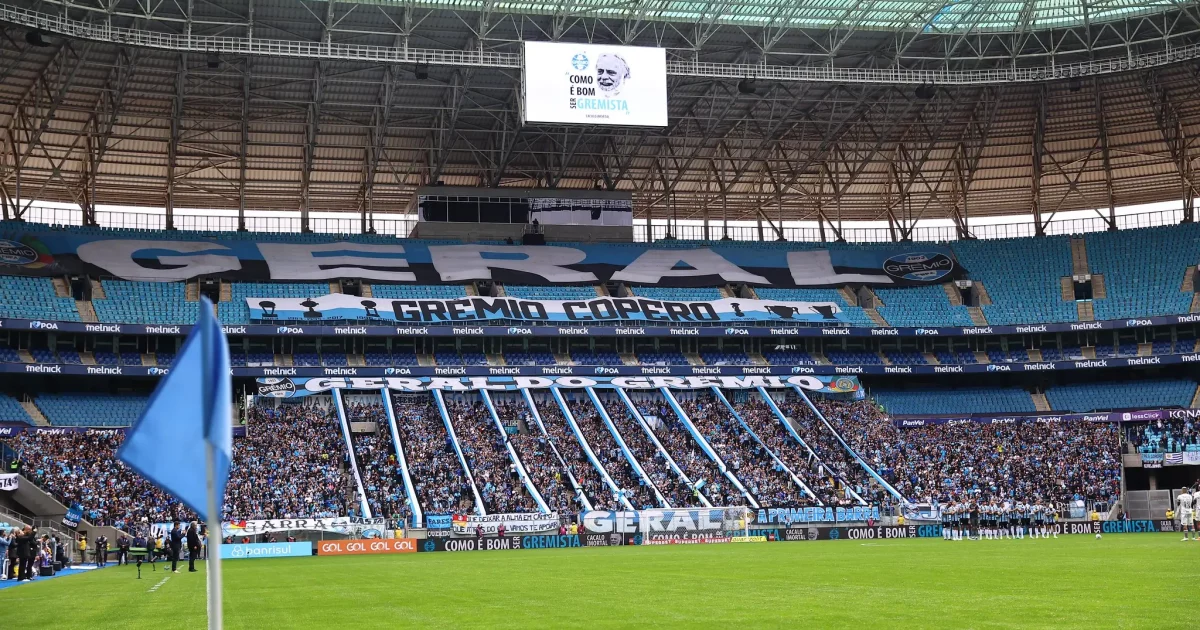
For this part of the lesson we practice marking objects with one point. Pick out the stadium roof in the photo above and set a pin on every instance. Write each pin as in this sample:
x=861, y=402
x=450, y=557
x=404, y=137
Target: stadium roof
x=284, y=104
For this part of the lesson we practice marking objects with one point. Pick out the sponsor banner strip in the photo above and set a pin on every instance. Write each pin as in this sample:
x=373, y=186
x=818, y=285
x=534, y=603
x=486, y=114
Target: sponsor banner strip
x=371, y=546
x=7, y=430
x=533, y=327
x=617, y=370
x=1115, y=416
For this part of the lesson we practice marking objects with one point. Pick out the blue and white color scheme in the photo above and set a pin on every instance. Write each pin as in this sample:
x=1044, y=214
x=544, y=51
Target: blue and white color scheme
x=592, y=84
x=172, y=257
x=252, y=551
x=295, y=387
x=608, y=310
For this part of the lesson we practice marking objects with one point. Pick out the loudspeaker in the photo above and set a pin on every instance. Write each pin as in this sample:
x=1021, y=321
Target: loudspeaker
x=46, y=571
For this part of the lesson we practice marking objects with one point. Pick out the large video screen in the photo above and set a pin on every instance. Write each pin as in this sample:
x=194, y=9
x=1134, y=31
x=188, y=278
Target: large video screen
x=592, y=84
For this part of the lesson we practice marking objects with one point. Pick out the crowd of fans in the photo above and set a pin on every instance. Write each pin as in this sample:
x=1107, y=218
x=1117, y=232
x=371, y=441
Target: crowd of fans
x=83, y=468
x=598, y=493
x=1024, y=462
x=1167, y=435
x=438, y=477
x=804, y=462
x=761, y=475
x=378, y=467
x=688, y=455
x=495, y=474
x=291, y=464
x=606, y=449
x=541, y=463
x=835, y=459
x=674, y=490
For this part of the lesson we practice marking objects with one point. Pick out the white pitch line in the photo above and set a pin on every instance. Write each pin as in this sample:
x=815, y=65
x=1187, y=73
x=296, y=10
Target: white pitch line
x=160, y=583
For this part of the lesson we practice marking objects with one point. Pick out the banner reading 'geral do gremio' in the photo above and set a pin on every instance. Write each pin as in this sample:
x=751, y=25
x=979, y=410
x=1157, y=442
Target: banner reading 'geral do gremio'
x=151, y=257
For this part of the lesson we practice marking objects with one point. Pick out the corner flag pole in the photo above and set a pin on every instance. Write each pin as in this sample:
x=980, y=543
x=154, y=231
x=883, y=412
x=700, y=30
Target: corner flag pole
x=213, y=564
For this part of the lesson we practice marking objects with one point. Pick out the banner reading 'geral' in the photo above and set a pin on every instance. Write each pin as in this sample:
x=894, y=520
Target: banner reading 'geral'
x=57, y=252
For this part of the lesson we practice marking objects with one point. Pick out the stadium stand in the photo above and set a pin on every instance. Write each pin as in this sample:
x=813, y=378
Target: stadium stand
x=91, y=410
x=441, y=486
x=758, y=473
x=855, y=315
x=671, y=293
x=587, y=357
x=945, y=402
x=34, y=298
x=1143, y=269
x=653, y=462
x=953, y=462
x=235, y=311
x=1022, y=277
x=418, y=291
x=537, y=456
x=483, y=445
x=921, y=306
x=377, y=464
x=686, y=452
x=605, y=447
x=130, y=302
x=579, y=466
x=12, y=411
x=550, y=292
x=1148, y=394
x=289, y=464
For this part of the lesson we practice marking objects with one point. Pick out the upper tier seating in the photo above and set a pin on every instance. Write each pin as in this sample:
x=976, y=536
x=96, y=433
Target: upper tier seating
x=235, y=310
x=34, y=298
x=1143, y=269
x=713, y=357
x=853, y=357
x=789, y=357
x=1084, y=397
x=947, y=402
x=145, y=303
x=677, y=294
x=853, y=314
x=587, y=357
x=662, y=357
x=91, y=410
x=12, y=411
x=528, y=358
x=550, y=292
x=921, y=306
x=1022, y=276
x=418, y=291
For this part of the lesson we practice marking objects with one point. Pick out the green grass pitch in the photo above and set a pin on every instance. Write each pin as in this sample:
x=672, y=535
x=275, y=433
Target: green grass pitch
x=1126, y=581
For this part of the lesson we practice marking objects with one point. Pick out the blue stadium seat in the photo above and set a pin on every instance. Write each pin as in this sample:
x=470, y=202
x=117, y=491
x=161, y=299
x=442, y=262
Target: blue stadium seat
x=662, y=357
x=34, y=298
x=713, y=357
x=145, y=303
x=898, y=357
x=948, y=402
x=1085, y=397
x=235, y=310
x=921, y=306
x=1139, y=284
x=528, y=358
x=551, y=292
x=586, y=357
x=789, y=357
x=853, y=357
x=1022, y=276
x=91, y=410
x=12, y=411
x=853, y=314
x=418, y=291
x=957, y=357
x=678, y=294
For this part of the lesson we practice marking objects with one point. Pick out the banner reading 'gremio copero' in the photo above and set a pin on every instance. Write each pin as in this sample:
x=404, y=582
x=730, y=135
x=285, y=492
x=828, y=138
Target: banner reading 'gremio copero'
x=637, y=310
x=45, y=252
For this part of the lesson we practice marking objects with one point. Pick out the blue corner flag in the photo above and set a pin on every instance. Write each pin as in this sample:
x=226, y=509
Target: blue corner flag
x=189, y=412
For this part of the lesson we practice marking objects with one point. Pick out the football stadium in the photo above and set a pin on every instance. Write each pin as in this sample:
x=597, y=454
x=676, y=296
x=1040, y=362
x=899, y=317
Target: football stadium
x=431, y=313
